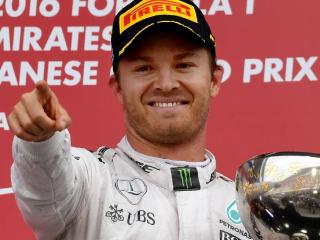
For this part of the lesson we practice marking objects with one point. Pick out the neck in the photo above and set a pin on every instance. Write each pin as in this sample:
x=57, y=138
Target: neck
x=192, y=150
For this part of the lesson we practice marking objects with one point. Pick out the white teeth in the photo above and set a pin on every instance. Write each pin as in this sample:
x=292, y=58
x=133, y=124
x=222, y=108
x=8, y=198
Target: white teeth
x=166, y=105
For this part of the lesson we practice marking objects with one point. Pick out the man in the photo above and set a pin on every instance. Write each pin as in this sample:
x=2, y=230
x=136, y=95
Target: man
x=160, y=181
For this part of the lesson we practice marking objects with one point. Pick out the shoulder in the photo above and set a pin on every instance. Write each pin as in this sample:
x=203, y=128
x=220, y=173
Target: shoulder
x=224, y=178
x=226, y=190
x=230, y=222
x=101, y=155
x=225, y=182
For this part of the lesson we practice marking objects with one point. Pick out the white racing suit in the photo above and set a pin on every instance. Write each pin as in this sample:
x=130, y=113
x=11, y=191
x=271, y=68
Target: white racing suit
x=111, y=194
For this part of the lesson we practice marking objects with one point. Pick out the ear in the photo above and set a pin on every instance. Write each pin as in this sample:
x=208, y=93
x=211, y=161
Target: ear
x=216, y=80
x=114, y=84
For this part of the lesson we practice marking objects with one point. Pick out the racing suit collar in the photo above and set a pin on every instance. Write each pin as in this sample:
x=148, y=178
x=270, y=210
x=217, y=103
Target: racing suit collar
x=170, y=174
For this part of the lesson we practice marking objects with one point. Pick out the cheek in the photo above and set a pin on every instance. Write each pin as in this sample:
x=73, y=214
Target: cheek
x=132, y=93
x=200, y=83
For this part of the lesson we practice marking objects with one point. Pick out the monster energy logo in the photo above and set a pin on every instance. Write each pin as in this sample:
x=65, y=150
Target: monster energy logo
x=185, y=178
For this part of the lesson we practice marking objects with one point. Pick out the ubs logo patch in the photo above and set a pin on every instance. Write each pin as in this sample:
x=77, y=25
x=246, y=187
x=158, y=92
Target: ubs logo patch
x=117, y=214
x=114, y=213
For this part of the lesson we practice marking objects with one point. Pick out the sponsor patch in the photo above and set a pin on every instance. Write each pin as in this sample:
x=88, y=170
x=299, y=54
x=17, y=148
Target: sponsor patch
x=100, y=154
x=141, y=216
x=212, y=177
x=133, y=190
x=233, y=214
x=145, y=167
x=238, y=229
x=117, y=214
x=185, y=178
x=114, y=213
x=227, y=236
x=147, y=8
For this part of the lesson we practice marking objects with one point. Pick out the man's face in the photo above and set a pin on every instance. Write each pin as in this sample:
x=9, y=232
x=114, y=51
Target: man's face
x=166, y=83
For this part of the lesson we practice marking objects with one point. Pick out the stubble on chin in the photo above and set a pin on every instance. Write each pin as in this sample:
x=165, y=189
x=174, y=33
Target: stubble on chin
x=164, y=132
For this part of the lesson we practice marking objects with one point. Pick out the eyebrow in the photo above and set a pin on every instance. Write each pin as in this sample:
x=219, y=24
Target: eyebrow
x=140, y=58
x=184, y=55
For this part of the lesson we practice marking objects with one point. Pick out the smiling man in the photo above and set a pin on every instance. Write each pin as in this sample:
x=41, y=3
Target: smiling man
x=160, y=181
x=165, y=85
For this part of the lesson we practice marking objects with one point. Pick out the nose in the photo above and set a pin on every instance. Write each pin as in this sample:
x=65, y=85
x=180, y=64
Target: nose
x=166, y=81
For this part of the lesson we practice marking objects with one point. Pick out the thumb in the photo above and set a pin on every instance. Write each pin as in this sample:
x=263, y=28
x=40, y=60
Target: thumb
x=63, y=119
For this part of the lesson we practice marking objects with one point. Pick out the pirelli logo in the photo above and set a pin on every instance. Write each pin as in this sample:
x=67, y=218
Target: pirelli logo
x=150, y=8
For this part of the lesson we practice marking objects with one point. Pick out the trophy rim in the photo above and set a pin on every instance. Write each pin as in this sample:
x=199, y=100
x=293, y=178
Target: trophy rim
x=280, y=153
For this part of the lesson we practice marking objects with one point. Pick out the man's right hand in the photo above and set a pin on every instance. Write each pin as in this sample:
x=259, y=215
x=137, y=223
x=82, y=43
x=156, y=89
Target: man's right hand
x=38, y=115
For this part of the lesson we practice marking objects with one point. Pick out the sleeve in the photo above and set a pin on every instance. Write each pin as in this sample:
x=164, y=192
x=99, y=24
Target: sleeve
x=49, y=188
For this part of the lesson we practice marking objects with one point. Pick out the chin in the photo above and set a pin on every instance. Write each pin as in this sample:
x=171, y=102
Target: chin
x=173, y=134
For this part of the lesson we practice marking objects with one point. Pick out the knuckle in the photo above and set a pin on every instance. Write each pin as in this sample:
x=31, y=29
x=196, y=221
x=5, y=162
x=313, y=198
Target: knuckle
x=15, y=108
x=11, y=121
x=38, y=118
x=19, y=133
x=28, y=124
x=25, y=97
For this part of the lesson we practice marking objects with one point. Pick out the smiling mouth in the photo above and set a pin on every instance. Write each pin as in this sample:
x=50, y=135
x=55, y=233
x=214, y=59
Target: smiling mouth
x=167, y=104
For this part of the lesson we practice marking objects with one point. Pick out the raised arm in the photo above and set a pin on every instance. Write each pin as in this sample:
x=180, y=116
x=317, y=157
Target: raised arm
x=47, y=183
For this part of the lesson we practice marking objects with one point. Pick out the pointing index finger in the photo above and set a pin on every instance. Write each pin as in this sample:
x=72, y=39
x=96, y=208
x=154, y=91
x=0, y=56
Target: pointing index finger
x=43, y=91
